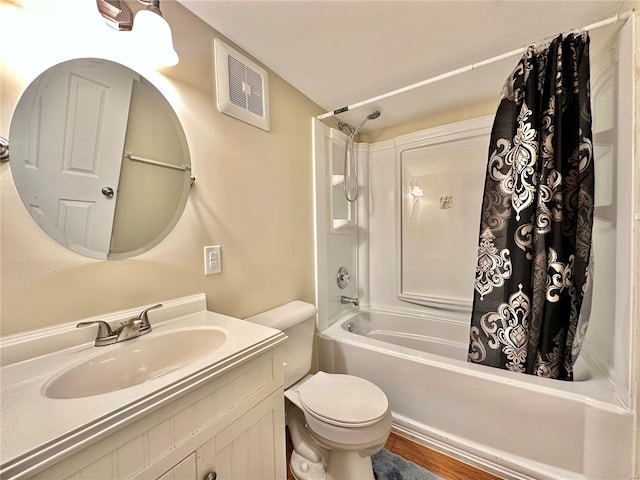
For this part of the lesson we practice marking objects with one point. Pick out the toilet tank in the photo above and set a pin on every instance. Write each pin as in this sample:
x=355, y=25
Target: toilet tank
x=297, y=320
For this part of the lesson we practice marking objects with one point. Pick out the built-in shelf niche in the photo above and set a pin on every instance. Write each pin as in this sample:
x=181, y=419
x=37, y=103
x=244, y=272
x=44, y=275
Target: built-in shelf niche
x=341, y=210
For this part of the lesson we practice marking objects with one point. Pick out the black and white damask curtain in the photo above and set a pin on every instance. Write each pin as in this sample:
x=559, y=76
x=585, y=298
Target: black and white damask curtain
x=532, y=286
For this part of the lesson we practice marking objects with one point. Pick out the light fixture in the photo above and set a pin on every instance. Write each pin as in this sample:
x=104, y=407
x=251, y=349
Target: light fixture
x=416, y=190
x=116, y=13
x=150, y=30
x=155, y=33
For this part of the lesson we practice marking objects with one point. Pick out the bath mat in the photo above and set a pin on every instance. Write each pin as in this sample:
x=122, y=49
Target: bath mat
x=389, y=466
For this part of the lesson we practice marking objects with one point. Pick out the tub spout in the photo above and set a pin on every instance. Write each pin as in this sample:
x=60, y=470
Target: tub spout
x=349, y=300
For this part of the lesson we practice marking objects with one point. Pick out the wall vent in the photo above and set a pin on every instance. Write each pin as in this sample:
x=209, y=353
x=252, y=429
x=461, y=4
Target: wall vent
x=242, y=86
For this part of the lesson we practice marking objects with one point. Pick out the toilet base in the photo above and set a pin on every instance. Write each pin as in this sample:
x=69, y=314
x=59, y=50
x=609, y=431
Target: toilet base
x=342, y=465
x=303, y=469
x=349, y=464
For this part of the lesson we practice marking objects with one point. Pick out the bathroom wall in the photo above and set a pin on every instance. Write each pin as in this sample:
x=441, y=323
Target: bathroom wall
x=252, y=196
x=634, y=301
x=486, y=107
x=140, y=219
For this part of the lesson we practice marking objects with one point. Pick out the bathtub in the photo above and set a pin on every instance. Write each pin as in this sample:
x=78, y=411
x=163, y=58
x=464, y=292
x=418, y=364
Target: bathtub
x=512, y=425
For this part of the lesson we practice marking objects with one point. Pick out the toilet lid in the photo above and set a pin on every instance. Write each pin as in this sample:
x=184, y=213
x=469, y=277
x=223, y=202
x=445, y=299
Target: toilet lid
x=343, y=400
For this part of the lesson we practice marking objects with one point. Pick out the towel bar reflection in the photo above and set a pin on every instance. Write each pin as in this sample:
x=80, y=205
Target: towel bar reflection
x=133, y=157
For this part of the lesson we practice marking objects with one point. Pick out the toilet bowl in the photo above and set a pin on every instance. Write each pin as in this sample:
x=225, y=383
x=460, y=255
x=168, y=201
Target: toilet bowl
x=347, y=417
x=336, y=422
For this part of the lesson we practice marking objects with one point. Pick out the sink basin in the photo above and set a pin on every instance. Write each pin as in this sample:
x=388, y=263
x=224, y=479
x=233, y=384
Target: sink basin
x=135, y=361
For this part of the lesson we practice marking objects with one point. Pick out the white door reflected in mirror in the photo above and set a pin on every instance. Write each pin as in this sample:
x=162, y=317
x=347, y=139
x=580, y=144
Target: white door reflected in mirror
x=69, y=135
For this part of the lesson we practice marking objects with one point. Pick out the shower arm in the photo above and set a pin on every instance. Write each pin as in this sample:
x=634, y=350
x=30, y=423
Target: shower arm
x=342, y=126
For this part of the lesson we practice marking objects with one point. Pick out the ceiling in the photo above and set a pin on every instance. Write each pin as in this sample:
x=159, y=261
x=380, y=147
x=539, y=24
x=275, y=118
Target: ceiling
x=343, y=52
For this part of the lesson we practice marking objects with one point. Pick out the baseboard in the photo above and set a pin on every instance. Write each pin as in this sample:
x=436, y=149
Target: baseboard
x=463, y=456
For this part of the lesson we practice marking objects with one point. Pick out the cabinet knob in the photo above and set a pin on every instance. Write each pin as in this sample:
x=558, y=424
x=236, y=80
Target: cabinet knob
x=211, y=476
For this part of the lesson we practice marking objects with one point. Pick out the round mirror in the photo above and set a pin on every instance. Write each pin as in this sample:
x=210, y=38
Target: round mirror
x=99, y=158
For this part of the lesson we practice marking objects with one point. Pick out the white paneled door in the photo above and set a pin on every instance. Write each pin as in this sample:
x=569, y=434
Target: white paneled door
x=74, y=144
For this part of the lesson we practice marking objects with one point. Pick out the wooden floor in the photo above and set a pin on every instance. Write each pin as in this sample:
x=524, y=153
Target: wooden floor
x=438, y=463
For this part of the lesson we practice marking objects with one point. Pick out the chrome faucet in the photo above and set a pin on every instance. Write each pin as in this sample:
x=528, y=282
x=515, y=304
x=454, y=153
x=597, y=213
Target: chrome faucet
x=145, y=326
x=132, y=328
x=105, y=335
x=128, y=329
x=349, y=300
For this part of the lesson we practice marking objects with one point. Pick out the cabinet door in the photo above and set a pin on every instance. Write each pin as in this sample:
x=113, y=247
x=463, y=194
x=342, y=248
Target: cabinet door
x=185, y=470
x=252, y=447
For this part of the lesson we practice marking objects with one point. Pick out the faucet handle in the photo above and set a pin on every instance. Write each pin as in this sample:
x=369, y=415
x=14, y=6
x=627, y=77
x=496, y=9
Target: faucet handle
x=105, y=335
x=145, y=326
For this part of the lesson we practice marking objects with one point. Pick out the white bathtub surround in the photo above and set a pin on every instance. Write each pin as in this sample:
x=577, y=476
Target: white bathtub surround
x=468, y=411
x=38, y=431
x=580, y=430
x=339, y=234
x=395, y=282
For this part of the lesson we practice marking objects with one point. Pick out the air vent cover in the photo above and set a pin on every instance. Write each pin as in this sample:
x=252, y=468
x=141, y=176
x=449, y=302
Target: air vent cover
x=242, y=86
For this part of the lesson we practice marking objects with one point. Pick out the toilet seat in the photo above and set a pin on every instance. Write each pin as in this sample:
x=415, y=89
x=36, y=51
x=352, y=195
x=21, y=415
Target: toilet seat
x=343, y=400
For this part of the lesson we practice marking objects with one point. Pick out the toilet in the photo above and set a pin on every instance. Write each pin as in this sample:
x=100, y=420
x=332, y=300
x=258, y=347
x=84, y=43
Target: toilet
x=336, y=422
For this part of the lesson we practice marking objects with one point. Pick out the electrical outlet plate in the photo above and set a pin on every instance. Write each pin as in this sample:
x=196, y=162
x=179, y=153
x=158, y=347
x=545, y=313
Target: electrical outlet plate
x=212, y=260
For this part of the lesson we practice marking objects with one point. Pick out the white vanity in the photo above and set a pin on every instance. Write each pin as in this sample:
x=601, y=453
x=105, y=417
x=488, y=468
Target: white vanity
x=200, y=395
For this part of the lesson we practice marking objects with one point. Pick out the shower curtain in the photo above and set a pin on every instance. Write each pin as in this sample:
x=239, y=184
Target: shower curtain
x=532, y=286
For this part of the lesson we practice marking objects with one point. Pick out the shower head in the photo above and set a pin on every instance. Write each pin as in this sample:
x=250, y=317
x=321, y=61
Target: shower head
x=371, y=116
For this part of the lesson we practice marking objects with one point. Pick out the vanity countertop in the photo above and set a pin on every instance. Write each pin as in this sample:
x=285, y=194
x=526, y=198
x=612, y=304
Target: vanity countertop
x=36, y=427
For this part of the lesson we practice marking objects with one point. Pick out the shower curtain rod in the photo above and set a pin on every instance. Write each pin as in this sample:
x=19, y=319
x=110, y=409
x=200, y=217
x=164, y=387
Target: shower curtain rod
x=603, y=23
